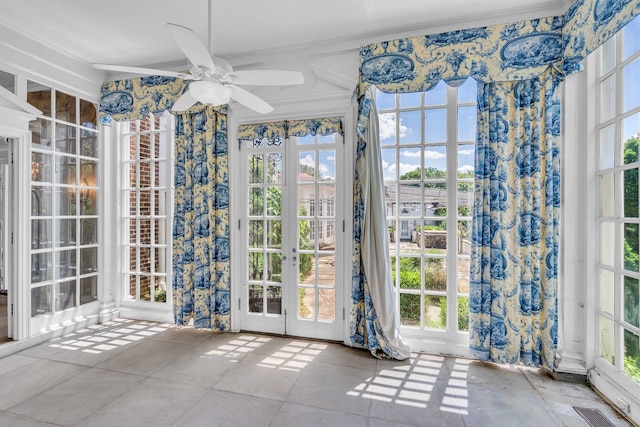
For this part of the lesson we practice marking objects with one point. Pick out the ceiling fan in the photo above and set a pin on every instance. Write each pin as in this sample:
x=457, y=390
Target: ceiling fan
x=214, y=80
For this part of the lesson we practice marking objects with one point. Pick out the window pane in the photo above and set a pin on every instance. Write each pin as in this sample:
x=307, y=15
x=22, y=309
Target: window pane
x=387, y=128
x=65, y=107
x=608, y=98
x=41, y=201
x=410, y=309
x=468, y=92
x=435, y=162
x=435, y=312
x=607, y=348
x=40, y=300
x=256, y=201
x=631, y=38
x=66, y=170
x=631, y=298
x=66, y=229
x=409, y=99
x=608, y=55
x=632, y=355
x=467, y=123
x=256, y=299
x=88, y=117
x=631, y=94
x=274, y=299
x=435, y=126
x=256, y=233
x=66, y=264
x=88, y=289
x=40, y=133
x=435, y=269
x=409, y=127
x=631, y=193
x=41, y=267
x=607, y=147
x=66, y=138
x=41, y=233
x=466, y=160
x=88, y=143
x=274, y=168
x=40, y=97
x=436, y=95
x=66, y=297
x=607, y=207
x=607, y=241
x=385, y=101
x=389, y=166
x=256, y=168
x=89, y=260
x=606, y=291
x=41, y=167
x=89, y=231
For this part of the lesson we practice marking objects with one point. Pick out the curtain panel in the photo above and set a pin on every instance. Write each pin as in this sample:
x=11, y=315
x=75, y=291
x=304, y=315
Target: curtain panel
x=515, y=232
x=201, y=269
x=374, y=319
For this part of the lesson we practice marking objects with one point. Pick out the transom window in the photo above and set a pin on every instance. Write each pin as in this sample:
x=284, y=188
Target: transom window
x=427, y=145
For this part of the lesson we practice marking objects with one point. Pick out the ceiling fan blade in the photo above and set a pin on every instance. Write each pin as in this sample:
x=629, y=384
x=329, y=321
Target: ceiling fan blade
x=192, y=47
x=184, y=102
x=249, y=100
x=145, y=71
x=266, y=77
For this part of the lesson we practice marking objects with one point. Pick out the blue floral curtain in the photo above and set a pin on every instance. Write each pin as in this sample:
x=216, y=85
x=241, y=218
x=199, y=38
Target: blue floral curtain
x=201, y=274
x=201, y=282
x=515, y=233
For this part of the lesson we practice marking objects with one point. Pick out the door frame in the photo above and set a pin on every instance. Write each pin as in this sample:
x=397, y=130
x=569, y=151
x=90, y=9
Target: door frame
x=347, y=109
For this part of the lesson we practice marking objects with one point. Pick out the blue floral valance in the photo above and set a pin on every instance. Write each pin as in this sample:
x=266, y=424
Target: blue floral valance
x=515, y=51
x=589, y=23
x=135, y=98
x=504, y=52
x=288, y=128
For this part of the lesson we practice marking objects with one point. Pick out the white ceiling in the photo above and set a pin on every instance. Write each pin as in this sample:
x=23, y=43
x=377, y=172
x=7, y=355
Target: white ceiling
x=133, y=32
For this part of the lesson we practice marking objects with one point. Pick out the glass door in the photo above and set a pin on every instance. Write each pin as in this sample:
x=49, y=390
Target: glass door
x=293, y=256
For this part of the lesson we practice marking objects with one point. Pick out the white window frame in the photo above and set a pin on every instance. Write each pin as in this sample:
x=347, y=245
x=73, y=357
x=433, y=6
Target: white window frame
x=135, y=307
x=450, y=340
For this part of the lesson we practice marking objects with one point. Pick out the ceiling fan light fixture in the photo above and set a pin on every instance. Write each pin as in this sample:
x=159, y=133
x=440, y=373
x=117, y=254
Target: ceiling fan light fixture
x=210, y=93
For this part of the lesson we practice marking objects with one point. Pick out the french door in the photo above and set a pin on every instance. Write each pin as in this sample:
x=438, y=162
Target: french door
x=292, y=232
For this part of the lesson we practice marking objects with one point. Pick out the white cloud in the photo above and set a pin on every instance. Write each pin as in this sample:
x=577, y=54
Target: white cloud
x=323, y=169
x=407, y=167
x=331, y=158
x=466, y=152
x=387, y=124
x=466, y=168
x=429, y=154
x=405, y=153
x=307, y=161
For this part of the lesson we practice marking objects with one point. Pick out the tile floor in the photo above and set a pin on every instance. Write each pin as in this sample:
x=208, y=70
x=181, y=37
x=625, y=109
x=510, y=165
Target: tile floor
x=133, y=373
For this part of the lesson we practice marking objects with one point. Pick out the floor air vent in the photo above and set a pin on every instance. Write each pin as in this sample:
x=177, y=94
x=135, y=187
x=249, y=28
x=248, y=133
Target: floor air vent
x=594, y=417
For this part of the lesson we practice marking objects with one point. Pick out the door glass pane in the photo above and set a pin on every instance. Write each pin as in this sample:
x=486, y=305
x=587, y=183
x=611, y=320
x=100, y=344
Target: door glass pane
x=66, y=138
x=306, y=167
x=65, y=107
x=256, y=297
x=464, y=265
x=435, y=274
x=274, y=168
x=437, y=95
x=256, y=201
x=435, y=312
x=274, y=299
x=306, y=303
x=256, y=233
x=41, y=267
x=630, y=178
x=463, y=314
x=274, y=201
x=66, y=170
x=274, y=268
x=410, y=309
x=41, y=167
x=256, y=169
x=409, y=99
x=327, y=304
x=467, y=118
x=387, y=128
x=89, y=259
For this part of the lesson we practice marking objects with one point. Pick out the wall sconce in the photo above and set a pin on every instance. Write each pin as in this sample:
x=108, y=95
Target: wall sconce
x=35, y=170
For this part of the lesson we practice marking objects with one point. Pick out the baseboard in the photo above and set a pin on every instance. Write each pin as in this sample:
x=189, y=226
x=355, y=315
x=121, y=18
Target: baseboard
x=627, y=404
